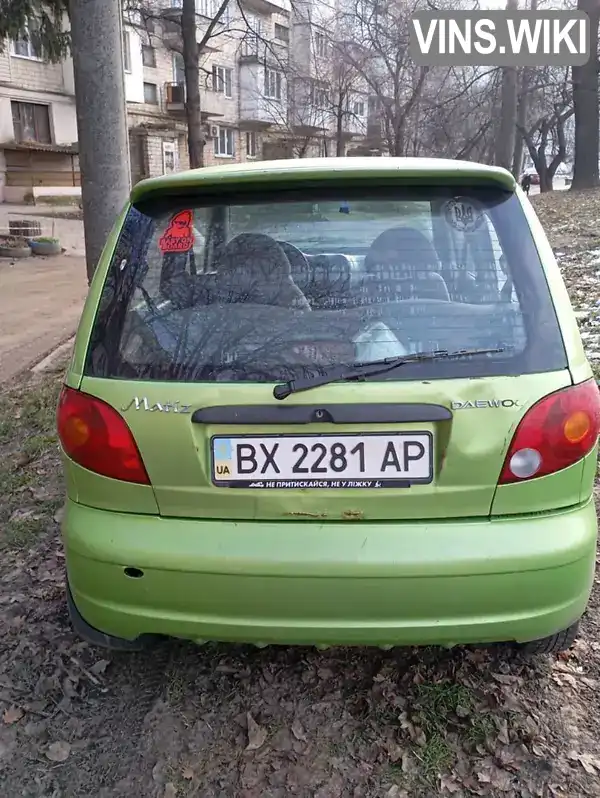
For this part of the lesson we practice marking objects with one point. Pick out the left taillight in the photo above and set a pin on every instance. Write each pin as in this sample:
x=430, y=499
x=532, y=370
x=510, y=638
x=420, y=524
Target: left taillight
x=96, y=436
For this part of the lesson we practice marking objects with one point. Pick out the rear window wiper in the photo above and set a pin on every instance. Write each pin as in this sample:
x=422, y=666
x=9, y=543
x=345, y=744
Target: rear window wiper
x=360, y=371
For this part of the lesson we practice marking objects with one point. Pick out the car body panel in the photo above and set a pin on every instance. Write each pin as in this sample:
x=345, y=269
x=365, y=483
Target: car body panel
x=468, y=450
x=518, y=578
x=315, y=170
x=565, y=488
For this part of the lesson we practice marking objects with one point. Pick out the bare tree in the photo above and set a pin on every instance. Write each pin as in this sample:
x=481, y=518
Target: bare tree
x=548, y=130
x=524, y=81
x=456, y=112
x=393, y=79
x=508, y=110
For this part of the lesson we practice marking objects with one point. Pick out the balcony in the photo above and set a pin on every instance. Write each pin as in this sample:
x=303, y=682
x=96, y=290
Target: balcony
x=172, y=34
x=255, y=50
x=211, y=103
x=175, y=96
x=355, y=126
x=308, y=119
x=374, y=130
x=268, y=6
x=257, y=111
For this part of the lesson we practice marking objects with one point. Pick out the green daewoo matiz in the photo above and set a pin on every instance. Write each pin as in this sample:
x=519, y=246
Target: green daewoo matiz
x=330, y=402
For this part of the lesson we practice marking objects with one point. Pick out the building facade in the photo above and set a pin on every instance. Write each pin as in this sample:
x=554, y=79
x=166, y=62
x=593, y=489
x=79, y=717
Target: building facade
x=272, y=82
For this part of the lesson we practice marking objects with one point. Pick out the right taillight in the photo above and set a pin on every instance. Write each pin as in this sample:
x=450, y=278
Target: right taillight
x=556, y=432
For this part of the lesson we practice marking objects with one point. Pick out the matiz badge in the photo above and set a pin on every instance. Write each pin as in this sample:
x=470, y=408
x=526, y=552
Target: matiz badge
x=142, y=403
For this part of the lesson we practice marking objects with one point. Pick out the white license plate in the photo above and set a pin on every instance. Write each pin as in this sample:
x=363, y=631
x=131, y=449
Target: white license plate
x=380, y=460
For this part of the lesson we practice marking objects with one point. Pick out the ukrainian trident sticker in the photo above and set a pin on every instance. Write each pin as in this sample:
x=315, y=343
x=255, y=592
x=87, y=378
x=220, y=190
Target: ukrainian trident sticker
x=463, y=214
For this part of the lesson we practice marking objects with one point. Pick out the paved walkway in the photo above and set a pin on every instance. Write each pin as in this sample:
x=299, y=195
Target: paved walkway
x=41, y=300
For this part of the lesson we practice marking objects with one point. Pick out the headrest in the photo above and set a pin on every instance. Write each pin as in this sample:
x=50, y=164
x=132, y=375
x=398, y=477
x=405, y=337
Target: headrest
x=257, y=255
x=410, y=246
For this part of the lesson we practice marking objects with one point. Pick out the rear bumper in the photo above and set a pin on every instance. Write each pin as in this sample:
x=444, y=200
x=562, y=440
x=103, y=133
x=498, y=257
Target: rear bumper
x=349, y=583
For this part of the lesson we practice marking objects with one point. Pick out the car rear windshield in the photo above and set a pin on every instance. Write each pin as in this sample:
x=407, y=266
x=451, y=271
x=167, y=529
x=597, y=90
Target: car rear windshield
x=269, y=286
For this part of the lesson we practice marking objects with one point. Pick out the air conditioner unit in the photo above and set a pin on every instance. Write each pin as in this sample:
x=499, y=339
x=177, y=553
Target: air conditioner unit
x=214, y=131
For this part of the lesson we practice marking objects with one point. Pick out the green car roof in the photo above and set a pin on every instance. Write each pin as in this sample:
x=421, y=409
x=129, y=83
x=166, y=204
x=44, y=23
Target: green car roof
x=304, y=170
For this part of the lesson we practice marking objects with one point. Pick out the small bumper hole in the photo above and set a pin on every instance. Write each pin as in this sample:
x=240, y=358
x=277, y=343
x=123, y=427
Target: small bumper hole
x=134, y=573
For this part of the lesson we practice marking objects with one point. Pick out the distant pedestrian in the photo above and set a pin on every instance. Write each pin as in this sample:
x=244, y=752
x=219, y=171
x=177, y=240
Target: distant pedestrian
x=526, y=183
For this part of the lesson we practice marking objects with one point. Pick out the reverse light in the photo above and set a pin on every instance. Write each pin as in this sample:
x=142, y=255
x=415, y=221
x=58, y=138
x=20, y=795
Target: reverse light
x=96, y=436
x=556, y=432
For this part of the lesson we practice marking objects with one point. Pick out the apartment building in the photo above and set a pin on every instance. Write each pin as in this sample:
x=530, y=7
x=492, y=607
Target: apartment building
x=38, y=129
x=271, y=86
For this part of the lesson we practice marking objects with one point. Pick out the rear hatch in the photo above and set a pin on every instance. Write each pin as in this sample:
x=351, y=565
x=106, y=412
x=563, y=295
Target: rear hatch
x=191, y=339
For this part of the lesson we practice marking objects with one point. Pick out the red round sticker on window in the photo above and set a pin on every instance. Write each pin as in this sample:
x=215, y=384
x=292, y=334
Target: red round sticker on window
x=179, y=235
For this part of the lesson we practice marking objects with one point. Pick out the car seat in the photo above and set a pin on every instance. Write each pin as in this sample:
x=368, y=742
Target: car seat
x=402, y=264
x=176, y=283
x=254, y=269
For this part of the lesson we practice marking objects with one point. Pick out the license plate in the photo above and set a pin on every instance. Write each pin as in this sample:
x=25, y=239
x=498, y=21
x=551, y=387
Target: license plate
x=380, y=460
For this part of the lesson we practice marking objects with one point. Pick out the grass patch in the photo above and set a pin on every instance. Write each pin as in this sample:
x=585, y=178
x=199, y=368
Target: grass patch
x=439, y=707
x=22, y=533
x=36, y=445
x=481, y=729
x=30, y=475
x=439, y=700
x=175, y=688
x=38, y=408
x=435, y=757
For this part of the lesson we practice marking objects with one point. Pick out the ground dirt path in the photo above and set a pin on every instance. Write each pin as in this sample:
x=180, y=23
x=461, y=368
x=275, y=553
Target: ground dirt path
x=222, y=721
x=40, y=304
x=233, y=721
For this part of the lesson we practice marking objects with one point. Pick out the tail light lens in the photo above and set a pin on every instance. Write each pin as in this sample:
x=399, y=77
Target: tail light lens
x=96, y=436
x=556, y=432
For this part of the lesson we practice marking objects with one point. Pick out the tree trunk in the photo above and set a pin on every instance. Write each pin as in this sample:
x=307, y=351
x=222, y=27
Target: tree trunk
x=340, y=148
x=522, y=112
x=505, y=140
x=546, y=179
x=585, y=102
x=191, y=61
x=522, y=108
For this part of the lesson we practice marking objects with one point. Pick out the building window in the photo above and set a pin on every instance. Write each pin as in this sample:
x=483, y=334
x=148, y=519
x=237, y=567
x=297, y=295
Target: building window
x=25, y=47
x=209, y=9
x=374, y=106
x=224, y=142
x=170, y=157
x=254, y=23
x=148, y=56
x=151, y=93
x=251, y=144
x=319, y=97
x=222, y=80
x=178, y=68
x=273, y=84
x=321, y=45
x=31, y=122
x=126, y=51
x=359, y=108
x=282, y=33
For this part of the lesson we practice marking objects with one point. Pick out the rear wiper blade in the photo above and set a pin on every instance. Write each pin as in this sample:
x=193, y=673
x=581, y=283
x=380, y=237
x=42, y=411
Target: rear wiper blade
x=359, y=371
